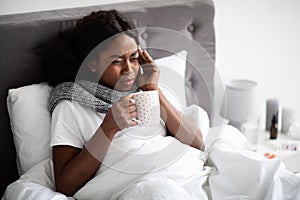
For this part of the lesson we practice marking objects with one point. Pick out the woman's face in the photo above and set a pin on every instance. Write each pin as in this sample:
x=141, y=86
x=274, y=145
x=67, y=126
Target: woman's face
x=117, y=66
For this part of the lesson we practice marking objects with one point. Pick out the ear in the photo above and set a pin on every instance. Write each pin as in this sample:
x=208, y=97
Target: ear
x=92, y=65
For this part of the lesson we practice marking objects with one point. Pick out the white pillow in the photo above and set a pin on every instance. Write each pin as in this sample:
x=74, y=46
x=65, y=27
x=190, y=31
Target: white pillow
x=31, y=121
x=30, y=124
x=172, y=76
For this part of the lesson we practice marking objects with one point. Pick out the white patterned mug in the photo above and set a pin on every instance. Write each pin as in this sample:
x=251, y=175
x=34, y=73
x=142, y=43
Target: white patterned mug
x=148, y=107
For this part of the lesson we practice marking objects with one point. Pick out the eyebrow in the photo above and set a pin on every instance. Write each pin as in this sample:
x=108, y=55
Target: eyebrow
x=121, y=56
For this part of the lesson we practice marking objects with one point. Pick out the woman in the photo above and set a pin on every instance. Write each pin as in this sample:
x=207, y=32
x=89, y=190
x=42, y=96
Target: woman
x=79, y=146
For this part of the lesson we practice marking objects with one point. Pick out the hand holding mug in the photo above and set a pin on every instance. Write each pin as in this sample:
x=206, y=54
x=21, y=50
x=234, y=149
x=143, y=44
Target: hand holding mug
x=120, y=115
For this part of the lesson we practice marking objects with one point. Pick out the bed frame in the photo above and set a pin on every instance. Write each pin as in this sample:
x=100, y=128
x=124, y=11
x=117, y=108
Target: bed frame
x=22, y=34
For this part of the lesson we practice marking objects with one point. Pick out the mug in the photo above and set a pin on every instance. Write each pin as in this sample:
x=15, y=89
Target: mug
x=148, y=107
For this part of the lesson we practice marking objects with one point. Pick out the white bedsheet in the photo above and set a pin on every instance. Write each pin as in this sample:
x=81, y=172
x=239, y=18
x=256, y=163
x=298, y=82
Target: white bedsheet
x=224, y=171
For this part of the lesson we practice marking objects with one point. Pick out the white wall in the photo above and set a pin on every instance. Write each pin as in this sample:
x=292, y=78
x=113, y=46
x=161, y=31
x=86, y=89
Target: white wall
x=22, y=6
x=256, y=39
x=260, y=40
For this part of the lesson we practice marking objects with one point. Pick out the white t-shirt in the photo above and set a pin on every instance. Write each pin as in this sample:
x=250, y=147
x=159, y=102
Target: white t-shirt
x=74, y=125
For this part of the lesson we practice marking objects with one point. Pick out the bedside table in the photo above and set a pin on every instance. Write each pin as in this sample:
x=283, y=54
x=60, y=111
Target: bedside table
x=284, y=147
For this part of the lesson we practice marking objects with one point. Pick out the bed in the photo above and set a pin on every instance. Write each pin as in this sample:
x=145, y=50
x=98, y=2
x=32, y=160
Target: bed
x=189, y=26
x=22, y=34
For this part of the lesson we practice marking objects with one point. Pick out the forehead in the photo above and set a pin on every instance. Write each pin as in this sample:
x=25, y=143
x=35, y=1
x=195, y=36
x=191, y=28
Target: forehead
x=120, y=45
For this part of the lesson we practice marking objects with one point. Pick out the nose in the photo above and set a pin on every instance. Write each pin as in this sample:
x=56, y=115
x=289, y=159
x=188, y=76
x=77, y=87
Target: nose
x=127, y=68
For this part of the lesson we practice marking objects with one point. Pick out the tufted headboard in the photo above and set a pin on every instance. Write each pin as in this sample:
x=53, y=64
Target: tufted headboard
x=22, y=34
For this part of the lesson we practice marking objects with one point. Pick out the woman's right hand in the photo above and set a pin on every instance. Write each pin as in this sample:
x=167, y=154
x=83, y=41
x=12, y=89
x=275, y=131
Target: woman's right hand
x=120, y=116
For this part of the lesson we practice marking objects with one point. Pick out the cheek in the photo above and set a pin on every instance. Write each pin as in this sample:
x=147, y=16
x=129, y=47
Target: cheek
x=100, y=68
x=136, y=67
x=110, y=72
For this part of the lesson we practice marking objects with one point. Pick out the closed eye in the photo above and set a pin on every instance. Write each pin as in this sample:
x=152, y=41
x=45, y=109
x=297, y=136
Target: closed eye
x=116, y=61
x=135, y=56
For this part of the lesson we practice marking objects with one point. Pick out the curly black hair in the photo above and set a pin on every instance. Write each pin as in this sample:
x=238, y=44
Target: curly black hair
x=62, y=56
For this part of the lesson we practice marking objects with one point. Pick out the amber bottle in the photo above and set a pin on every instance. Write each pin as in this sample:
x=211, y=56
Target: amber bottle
x=273, y=128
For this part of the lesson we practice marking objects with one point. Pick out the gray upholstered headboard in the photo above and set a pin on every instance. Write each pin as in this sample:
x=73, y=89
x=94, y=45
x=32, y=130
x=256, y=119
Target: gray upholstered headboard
x=21, y=35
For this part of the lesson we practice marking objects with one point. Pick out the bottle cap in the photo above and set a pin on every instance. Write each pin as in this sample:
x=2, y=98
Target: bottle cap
x=274, y=119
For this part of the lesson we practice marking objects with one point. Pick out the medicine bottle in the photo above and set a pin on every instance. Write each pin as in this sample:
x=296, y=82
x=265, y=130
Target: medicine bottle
x=273, y=128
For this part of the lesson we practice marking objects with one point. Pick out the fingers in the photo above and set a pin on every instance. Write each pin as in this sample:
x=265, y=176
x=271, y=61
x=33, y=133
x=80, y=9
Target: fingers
x=144, y=56
x=128, y=104
x=148, y=57
x=124, y=111
x=126, y=101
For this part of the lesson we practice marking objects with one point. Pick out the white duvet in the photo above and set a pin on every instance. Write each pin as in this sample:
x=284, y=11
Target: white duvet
x=162, y=168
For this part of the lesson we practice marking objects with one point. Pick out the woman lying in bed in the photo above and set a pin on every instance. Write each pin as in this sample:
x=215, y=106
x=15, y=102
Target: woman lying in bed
x=98, y=151
x=84, y=125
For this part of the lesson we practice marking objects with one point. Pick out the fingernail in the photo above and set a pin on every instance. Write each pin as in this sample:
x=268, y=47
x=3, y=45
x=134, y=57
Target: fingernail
x=141, y=70
x=135, y=120
x=132, y=101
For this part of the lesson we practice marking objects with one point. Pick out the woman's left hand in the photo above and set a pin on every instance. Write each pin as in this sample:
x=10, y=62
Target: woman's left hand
x=148, y=79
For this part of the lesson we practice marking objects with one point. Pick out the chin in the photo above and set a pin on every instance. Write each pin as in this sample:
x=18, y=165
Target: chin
x=125, y=86
x=124, y=89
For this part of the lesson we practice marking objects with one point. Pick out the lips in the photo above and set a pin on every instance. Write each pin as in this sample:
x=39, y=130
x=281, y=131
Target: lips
x=127, y=81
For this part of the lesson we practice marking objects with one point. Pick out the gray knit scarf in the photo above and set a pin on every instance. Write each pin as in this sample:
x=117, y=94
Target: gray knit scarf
x=93, y=95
